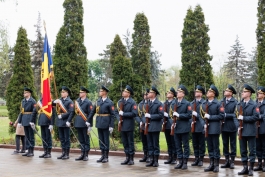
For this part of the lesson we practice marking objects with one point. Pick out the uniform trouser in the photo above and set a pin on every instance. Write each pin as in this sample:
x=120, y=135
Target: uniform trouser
x=128, y=142
x=29, y=135
x=171, y=146
x=46, y=136
x=213, y=146
x=153, y=143
x=198, y=142
x=248, y=143
x=229, y=137
x=182, y=139
x=144, y=141
x=103, y=135
x=260, y=146
x=83, y=138
x=64, y=136
x=22, y=138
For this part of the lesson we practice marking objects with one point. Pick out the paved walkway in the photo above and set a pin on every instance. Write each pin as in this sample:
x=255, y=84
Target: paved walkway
x=16, y=165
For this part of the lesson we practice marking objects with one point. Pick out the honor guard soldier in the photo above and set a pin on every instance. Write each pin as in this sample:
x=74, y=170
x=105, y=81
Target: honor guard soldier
x=229, y=127
x=247, y=114
x=46, y=123
x=65, y=113
x=182, y=111
x=260, y=141
x=140, y=119
x=25, y=117
x=105, y=117
x=83, y=107
x=154, y=116
x=167, y=123
x=127, y=111
x=198, y=137
x=213, y=114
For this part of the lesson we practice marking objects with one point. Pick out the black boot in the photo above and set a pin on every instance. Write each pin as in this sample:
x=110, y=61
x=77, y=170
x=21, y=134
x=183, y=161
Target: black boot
x=148, y=158
x=63, y=154
x=201, y=161
x=174, y=159
x=106, y=157
x=196, y=162
x=211, y=166
x=227, y=163
x=85, y=158
x=26, y=153
x=250, y=170
x=232, y=163
x=66, y=156
x=169, y=160
x=102, y=157
x=263, y=165
x=127, y=159
x=155, y=164
x=44, y=154
x=259, y=167
x=245, y=169
x=151, y=162
x=179, y=166
x=144, y=158
x=185, y=166
x=216, y=165
x=31, y=152
x=48, y=155
x=81, y=156
x=131, y=161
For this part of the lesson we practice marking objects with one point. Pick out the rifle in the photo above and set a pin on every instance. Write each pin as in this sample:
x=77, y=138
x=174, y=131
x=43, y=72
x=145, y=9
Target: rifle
x=193, y=117
x=206, y=122
x=258, y=124
x=142, y=126
x=174, y=121
x=146, y=119
x=164, y=120
x=120, y=122
x=240, y=123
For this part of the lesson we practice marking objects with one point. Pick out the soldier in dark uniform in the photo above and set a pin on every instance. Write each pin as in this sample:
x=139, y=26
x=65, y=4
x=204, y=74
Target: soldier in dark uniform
x=171, y=146
x=46, y=125
x=229, y=127
x=214, y=116
x=182, y=127
x=140, y=119
x=128, y=114
x=65, y=114
x=83, y=107
x=260, y=141
x=155, y=116
x=248, y=140
x=198, y=137
x=104, y=109
x=27, y=106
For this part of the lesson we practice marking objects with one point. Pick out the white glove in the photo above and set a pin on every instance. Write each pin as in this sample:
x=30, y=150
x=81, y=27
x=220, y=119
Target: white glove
x=51, y=128
x=59, y=116
x=89, y=129
x=176, y=114
x=147, y=115
x=87, y=124
x=174, y=125
x=141, y=123
x=32, y=125
x=19, y=125
x=240, y=117
x=68, y=124
x=207, y=116
x=56, y=101
x=194, y=113
x=121, y=113
x=110, y=130
x=165, y=114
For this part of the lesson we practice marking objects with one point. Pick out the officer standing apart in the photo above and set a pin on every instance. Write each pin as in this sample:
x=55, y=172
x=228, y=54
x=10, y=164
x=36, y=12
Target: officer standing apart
x=182, y=127
x=229, y=127
x=65, y=114
x=260, y=141
x=104, y=109
x=171, y=146
x=27, y=106
x=214, y=116
x=83, y=107
x=128, y=114
x=248, y=140
x=155, y=116
x=198, y=137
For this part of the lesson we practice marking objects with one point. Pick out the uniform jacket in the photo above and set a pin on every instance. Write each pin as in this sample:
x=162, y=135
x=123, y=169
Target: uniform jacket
x=27, y=106
x=261, y=117
x=157, y=113
x=140, y=113
x=230, y=122
x=199, y=125
x=87, y=107
x=68, y=116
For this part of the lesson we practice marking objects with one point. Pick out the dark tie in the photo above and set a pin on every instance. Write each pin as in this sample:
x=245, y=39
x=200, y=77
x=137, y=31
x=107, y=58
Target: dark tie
x=245, y=103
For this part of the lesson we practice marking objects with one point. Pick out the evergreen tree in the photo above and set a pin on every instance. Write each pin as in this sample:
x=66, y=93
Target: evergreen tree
x=140, y=53
x=70, y=59
x=196, y=67
x=22, y=76
x=116, y=49
x=155, y=67
x=252, y=67
x=261, y=42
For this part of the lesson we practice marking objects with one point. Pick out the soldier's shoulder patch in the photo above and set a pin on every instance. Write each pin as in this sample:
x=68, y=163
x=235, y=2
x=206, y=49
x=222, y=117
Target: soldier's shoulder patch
x=112, y=107
x=134, y=107
x=71, y=105
x=91, y=107
x=257, y=109
x=222, y=109
x=189, y=108
x=34, y=105
x=160, y=108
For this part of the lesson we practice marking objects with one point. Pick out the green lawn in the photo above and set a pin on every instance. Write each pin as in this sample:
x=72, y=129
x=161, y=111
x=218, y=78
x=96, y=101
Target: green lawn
x=3, y=111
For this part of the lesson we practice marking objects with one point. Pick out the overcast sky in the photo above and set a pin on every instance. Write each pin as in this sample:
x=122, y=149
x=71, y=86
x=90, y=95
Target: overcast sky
x=105, y=18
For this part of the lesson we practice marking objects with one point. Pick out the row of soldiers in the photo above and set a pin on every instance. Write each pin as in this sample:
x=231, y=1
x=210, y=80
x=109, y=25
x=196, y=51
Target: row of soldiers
x=206, y=118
